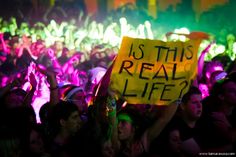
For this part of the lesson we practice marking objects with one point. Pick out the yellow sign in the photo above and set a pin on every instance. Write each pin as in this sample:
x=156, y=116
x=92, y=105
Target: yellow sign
x=153, y=71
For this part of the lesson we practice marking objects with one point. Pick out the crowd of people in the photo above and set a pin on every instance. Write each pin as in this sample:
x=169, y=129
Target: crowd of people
x=51, y=105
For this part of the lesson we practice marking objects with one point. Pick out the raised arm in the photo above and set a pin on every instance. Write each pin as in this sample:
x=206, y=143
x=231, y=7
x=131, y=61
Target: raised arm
x=4, y=45
x=53, y=85
x=29, y=97
x=51, y=54
x=201, y=60
x=160, y=123
x=68, y=67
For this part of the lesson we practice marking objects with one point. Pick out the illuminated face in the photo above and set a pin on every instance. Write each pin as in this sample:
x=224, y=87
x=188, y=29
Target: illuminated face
x=39, y=46
x=37, y=49
x=193, y=108
x=125, y=127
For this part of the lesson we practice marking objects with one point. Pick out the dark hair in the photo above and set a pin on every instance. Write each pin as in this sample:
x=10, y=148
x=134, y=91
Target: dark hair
x=216, y=76
x=212, y=102
x=225, y=60
x=137, y=119
x=211, y=64
x=208, y=66
x=62, y=110
x=26, y=141
x=232, y=76
x=7, y=97
x=217, y=88
x=68, y=91
x=7, y=36
x=20, y=119
x=44, y=60
x=192, y=90
x=24, y=60
x=19, y=91
x=43, y=112
x=9, y=142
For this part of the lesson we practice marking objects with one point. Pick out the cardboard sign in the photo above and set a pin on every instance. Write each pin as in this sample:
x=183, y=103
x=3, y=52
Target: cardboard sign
x=152, y=71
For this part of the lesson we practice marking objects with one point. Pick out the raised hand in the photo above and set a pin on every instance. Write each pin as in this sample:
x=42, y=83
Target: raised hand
x=74, y=59
x=53, y=85
x=43, y=70
x=32, y=80
x=74, y=79
x=51, y=53
x=26, y=41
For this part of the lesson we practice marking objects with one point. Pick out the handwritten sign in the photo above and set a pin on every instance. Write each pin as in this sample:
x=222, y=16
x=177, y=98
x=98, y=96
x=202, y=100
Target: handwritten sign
x=153, y=71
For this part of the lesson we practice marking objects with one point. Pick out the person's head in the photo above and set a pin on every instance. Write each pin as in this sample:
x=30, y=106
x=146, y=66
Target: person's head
x=45, y=60
x=174, y=141
x=225, y=91
x=169, y=142
x=232, y=76
x=37, y=47
x=126, y=129
x=65, y=52
x=107, y=149
x=35, y=141
x=58, y=46
x=129, y=124
x=65, y=117
x=210, y=68
x=14, y=98
x=21, y=116
x=191, y=106
x=232, y=67
x=216, y=76
x=75, y=95
x=44, y=113
x=224, y=59
x=14, y=44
